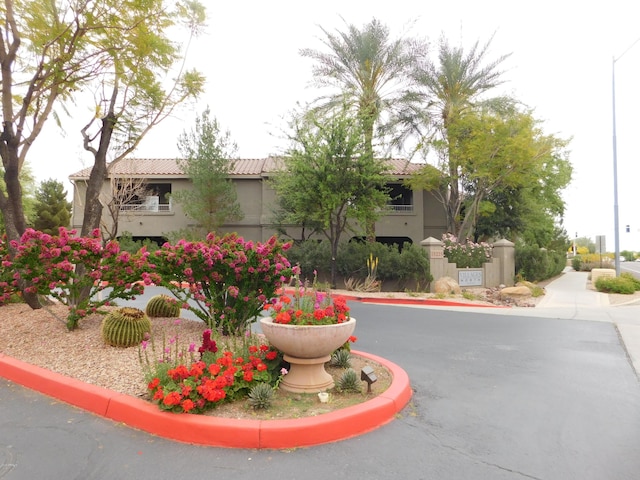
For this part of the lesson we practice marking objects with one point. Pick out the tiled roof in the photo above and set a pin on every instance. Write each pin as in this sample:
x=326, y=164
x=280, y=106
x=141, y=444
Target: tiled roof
x=168, y=167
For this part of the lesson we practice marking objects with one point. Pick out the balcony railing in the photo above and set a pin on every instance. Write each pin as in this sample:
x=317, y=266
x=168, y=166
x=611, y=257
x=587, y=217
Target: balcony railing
x=399, y=208
x=145, y=208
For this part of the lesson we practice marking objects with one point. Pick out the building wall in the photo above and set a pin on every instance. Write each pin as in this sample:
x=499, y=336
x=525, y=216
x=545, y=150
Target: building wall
x=257, y=201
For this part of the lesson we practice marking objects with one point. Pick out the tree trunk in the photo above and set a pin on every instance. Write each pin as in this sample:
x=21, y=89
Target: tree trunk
x=92, y=205
x=12, y=210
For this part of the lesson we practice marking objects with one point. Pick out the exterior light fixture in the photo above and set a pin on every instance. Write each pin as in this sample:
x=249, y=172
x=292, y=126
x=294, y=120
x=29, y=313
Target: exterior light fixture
x=368, y=375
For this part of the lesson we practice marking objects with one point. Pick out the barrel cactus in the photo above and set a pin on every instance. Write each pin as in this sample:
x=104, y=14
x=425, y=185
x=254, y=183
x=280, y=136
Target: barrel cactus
x=125, y=327
x=162, y=306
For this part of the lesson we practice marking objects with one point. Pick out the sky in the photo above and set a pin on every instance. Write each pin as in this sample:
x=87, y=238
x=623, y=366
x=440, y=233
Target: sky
x=561, y=65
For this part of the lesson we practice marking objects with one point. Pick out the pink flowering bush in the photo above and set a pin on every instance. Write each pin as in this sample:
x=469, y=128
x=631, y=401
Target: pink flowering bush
x=467, y=254
x=77, y=271
x=224, y=280
x=8, y=285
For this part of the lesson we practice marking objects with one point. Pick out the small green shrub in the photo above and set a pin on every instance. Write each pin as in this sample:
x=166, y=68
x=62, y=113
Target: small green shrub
x=630, y=277
x=576, y=263
x=261, y=396
x=620, y=284
x=413, y=264
x=348, y=382
x=469, y=295
x=125, y=327
x=311, y=255
x=341, y=358
x=162, y=306
x=128, y=244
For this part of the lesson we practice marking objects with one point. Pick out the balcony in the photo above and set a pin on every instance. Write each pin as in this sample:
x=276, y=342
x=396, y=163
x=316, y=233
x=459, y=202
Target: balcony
x=146, y=208
x=392, y=209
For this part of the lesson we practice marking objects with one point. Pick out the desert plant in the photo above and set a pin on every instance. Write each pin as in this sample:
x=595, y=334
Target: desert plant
x=341, y=358
x=261, y=396
x=348, y=381
x=125, y=327
x=469, y=295
x=162, y=306
x=620, y=284
x=632, y=279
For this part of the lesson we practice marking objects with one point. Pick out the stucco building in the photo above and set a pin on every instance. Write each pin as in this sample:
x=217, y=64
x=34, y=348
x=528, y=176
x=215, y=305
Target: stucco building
x=410, y=215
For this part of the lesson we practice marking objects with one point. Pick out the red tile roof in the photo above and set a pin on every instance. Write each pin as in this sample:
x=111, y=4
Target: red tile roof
x=168, y=167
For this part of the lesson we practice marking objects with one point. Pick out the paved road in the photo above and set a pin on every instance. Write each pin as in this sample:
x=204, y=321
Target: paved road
x=545, y=394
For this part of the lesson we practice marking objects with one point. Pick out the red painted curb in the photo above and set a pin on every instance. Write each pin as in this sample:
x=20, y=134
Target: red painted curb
x=433, y=302
x=216, y=431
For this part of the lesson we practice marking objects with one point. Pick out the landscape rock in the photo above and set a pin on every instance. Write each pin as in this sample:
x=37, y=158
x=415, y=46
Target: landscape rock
x=447, y=286
x=520, y=291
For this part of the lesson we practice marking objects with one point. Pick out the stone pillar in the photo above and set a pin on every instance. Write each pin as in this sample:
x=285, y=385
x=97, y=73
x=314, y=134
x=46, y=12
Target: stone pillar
x=437, y=260
x=505, y=252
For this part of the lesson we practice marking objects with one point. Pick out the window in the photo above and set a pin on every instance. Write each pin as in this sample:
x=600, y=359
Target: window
x=401, y=198
x=133, y=195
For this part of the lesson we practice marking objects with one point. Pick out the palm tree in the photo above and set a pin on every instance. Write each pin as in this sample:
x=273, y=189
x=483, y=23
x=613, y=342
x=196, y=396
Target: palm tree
x=371, y=73
x=454, y=86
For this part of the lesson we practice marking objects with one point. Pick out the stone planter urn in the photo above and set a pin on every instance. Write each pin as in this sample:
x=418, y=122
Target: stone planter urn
x=307, y=348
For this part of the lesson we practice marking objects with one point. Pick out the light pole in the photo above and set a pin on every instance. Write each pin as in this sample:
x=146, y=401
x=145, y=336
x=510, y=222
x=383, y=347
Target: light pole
x=616, y=221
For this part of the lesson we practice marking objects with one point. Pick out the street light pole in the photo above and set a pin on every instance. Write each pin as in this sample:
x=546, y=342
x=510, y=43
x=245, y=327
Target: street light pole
x=616, y=221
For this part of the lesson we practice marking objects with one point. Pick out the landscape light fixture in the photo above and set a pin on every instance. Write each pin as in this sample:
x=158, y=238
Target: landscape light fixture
x=368, y=375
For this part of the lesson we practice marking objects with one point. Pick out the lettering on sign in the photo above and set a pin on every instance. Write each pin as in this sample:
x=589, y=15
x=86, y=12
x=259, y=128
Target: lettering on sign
x=437, y=254
x=470, y=278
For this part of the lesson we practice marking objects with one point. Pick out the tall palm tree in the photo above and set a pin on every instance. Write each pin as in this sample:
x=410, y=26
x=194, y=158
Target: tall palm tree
x=455, y=85
x=370, y=72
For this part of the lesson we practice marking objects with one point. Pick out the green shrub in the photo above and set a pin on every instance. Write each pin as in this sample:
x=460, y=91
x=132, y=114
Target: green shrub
x=630, y=277
x=311, y=255
x=576, y=263
x=535, y=264
x=620, y=284
x=414, y=265
x=128, y=244
x=352, y=259
x=410, y=264
x=532, y=262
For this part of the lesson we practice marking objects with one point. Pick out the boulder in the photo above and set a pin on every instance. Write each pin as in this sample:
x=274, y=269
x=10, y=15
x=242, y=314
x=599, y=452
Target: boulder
x=447, y=286
x=519, y=291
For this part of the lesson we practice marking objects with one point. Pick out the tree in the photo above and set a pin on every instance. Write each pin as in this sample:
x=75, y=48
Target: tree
x=499, y=152
x=124, y=191
x=455, y=85
x=208, y=159
x=328, y=178
x=371, y=72
x=133, y=98
x=50, y=51
x=52, y=209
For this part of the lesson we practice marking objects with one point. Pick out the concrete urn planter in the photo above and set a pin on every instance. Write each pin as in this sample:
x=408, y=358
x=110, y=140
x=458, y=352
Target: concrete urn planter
x=307, y=348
